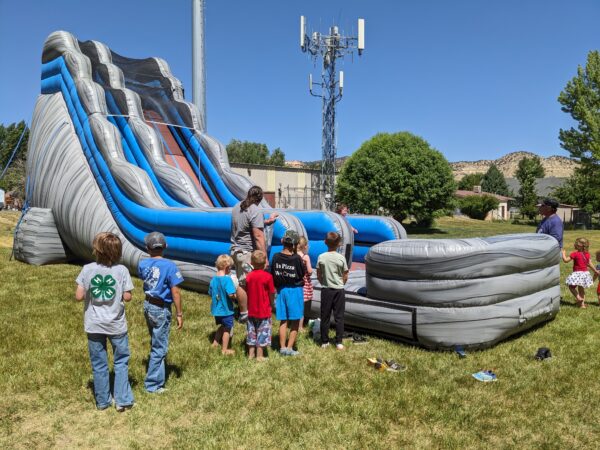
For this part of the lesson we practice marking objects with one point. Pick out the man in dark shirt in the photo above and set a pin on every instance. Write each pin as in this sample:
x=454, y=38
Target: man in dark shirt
x=551, y=223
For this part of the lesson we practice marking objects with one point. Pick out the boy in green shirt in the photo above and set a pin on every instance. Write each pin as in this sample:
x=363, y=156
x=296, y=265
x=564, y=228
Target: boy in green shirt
x=332, y=273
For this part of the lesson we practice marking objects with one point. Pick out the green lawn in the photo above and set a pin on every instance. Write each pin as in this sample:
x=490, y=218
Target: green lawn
x=321, y=399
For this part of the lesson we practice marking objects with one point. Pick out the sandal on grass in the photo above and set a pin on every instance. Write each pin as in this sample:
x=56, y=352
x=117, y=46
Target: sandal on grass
x=359, y=339
x=378, y=364
x=393, y=366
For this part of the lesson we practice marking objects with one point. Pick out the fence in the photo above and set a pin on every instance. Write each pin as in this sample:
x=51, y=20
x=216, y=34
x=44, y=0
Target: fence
x=299, y=197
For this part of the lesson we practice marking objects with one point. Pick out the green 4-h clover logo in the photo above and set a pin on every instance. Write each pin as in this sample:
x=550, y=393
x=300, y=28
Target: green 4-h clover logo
x=103, y=288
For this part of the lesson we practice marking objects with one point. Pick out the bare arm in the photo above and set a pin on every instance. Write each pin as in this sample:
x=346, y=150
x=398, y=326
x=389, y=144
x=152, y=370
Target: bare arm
x=309, y=269
x=177, y=300
x=565, y=258
x=319, y=275
x=272, y=218
x=258, y=236
x=345, y=277
x=79, y=293
x=272, y=299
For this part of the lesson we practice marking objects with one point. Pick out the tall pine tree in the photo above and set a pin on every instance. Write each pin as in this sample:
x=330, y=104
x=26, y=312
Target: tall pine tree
x=581, y=99
x=529, y=169
x=493, y=182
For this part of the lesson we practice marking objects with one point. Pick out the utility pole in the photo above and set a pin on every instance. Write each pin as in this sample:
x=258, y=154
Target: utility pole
x=198, y=70
x=329, y=48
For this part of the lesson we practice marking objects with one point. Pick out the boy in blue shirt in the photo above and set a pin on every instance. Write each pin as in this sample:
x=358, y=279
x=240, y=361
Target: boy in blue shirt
x=222, y=292
x=161, y=278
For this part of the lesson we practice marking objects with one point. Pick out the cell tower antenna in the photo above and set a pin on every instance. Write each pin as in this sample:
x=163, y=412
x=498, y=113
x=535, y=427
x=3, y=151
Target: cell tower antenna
x=329, y=48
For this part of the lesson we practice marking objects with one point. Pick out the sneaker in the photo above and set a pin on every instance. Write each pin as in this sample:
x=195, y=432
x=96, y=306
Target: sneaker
x=243, y=317
x=160, y=390
x=122, y=408
x=103, y=407
x=284, y=351
x=292, y=352
x=325, y=345
x=339, y=346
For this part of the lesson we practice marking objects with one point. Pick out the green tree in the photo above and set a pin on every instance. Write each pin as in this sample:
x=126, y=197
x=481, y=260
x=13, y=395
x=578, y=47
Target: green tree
x=493, y=182
x=467, y=182
x=253, y=153
x=529, y=169
x=14, y=177
x=400, y=173
x=478, y=206
x=277, y=158
x=581, y=99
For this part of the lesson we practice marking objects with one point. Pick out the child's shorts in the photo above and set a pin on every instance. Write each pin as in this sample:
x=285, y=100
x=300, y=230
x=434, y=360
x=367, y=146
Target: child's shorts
x=290, y=303
x=259, y=332
x=226, y=321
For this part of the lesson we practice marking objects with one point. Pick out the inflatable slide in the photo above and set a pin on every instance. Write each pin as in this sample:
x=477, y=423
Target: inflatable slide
x=114, y=147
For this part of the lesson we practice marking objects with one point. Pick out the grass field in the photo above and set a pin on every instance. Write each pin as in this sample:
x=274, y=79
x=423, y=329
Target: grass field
x=322, y=399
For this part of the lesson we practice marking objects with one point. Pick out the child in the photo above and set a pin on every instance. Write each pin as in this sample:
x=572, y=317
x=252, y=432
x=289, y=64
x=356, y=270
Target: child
x=288, y=275
x=332, y=272
x=580, y=279
x=261, y=294
x=222, y=291
x=161, y=278
x=308, y=287
x=105, y=286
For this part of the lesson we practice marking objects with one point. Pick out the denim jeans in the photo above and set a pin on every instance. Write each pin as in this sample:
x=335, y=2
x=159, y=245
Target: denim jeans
x=158, y=319
x=99, y=360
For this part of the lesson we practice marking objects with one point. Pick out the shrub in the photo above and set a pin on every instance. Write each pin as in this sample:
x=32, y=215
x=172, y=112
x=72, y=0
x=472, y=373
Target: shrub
x=478, y=206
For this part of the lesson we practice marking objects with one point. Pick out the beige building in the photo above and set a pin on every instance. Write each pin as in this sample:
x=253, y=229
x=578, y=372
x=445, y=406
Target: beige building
x=285, y=187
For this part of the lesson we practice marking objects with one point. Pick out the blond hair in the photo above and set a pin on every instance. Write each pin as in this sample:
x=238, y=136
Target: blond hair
x=223, y=262
x=107, y=249
x=302, y=243
x=258, y=259
x=583, y=242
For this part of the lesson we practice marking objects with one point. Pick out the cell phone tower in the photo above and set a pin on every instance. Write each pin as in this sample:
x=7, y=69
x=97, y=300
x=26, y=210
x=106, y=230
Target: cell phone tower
x=329, y=48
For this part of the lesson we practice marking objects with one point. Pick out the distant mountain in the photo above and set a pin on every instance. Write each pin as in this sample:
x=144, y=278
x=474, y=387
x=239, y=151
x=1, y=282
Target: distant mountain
x=554, y=166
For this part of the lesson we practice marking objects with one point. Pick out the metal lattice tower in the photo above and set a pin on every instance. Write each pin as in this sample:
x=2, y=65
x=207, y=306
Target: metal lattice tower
x=329, y=48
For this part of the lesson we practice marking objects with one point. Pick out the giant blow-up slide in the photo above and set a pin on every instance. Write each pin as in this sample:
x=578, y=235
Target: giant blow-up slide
x=114, y=147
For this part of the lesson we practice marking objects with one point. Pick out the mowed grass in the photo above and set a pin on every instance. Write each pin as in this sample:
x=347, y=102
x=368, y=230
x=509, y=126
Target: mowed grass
x=322, y=399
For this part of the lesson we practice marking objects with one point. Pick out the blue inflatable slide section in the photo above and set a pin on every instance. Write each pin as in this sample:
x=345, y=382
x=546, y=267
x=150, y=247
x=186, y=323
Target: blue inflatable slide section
x=194, y=235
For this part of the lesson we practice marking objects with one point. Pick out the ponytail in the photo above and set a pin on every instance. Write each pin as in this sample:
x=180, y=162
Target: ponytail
x=254, y=197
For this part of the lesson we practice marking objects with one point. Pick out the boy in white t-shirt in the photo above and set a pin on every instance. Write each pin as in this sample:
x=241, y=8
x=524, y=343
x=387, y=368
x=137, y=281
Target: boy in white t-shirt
x=106, y=286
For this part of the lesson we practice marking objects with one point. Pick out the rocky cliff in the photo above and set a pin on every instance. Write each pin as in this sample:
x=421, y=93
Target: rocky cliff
x=554, y=166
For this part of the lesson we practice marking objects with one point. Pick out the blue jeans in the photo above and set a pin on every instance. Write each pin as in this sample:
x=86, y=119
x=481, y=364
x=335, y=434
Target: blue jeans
x=99, y=360
x=158, y=319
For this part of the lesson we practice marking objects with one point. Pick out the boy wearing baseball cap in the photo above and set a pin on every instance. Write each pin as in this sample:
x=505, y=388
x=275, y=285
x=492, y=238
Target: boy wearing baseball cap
x=161, y=278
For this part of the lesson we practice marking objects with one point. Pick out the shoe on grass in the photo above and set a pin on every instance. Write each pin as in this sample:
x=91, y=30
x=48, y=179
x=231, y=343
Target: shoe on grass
x=359, y=339
x=339, y=346
x=325, y=345
x=284, y=351
x=160, y=390
x=485, y=376
x=123, y=408
x=292, y=352
x=393, y=366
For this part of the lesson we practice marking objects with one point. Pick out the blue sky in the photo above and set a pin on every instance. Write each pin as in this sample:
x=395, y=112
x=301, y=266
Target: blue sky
x=477, y=79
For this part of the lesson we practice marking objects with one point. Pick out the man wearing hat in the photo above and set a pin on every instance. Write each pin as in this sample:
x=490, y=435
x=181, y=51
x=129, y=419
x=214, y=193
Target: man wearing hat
x=551, y=223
